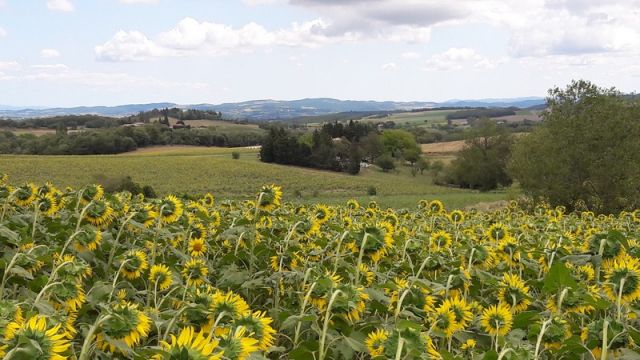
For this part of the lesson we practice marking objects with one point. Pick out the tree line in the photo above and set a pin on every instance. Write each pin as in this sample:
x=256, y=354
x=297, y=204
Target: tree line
x=339, y=147
x=122, y=139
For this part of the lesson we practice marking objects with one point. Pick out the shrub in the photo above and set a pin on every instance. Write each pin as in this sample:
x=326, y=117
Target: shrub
x=386, y=163
x=372, y=191
x=235, y=155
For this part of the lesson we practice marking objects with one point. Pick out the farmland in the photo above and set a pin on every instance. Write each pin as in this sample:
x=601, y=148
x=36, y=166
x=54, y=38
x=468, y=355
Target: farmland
x=197, y=170
x=91, y=275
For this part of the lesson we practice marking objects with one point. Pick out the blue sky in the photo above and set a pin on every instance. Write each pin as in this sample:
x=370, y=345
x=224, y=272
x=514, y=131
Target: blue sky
x=108, y=52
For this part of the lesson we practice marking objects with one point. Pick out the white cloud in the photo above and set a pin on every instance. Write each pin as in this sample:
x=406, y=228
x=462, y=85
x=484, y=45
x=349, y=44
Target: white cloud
x=389, y=66
x=3, y=32
x=60, y=5
x=536, y=27
x=49, y=53
x=457, y=59
x=9, y=65
x=129, y=46
x=192, y=37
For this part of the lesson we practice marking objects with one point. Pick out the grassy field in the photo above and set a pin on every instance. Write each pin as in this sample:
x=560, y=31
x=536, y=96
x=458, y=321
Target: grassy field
x=200, y=170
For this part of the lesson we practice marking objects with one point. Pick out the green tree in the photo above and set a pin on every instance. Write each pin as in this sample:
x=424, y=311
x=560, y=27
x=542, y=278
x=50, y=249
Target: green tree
x=386, y=163
x=397, y=142
x=482, y=163
x=587, y=150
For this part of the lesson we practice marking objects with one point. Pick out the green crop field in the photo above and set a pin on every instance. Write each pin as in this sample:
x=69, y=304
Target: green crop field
x=200, y=170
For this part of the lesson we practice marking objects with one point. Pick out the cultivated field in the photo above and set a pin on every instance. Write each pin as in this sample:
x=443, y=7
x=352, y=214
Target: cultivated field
x=200, y=170
x=89, y=275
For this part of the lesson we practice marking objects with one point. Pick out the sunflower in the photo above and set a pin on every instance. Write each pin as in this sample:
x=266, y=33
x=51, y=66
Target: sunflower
x=269, y=198
x=497, y=232
x=146, y=216
x=25, y=194
x=470, y=344
x=171, y=209
x=126, y=324
x=69, y=295
x=237, y=346
x=456, y=216
x=208, y=200
x=33, y=337
x=135, y=263
x=99, y=213
x=367, y=274
x=443, y=319
x=513, y=293
x=321, y=214
x=191, y=346
x=5, y=191
x=440, y=241
x=436, y=207
x=228, y=306
x=375, y=342
x=622, y=278
x=461, y=310
x=259, y=327
x=48, y=205
x=497, y=320
x=197, y=247
x=379, y=240
x=195, y=272
x=507, y=251
x=160, y=275
x=9, y=312
x=92, y=193
x=88, y=239
x=353, y=204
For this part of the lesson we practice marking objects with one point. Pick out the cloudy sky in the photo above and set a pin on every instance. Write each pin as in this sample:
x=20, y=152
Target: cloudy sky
x=107, y=52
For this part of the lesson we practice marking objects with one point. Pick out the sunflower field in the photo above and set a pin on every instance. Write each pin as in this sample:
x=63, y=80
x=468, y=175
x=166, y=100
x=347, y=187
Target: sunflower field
x=90, y=275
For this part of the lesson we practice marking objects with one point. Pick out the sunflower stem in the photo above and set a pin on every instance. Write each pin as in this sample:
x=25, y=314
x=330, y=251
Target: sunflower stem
x=304, y=305
x=360, y=255
x=605, y=350
x=86, y=345
x=115, y=279
x=399, y=306
x=41, y=293
x=325, y=327
x=399, y=349
x=543, y=329
x=619, y=299
x=115, y=244
x=335, y=264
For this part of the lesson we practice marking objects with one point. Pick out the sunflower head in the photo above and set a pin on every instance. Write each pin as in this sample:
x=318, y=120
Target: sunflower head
x=195, y=272
x=35, y=339
x=269, y=197
x=497, y=320
x=92, y=192
x=134, y=264
x=192, y=346
x=160, y=276
x=258, y=326
x=99, y=213
x=514, y=293
x=25, y=195
x=237, y=345
x=171, y=209
x=622, y=278
x=48, y=204
x=88, y=239
x=125, y=324
x=375, y=342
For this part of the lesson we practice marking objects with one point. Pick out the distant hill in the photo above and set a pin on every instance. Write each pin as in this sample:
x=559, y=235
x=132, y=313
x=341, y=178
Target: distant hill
x=263, y=110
